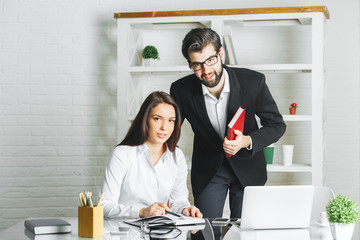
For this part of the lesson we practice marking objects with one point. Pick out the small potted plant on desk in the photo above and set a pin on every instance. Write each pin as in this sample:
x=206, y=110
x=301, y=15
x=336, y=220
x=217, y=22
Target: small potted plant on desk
x=342, y=213
x=292, y=108
x=150, y=54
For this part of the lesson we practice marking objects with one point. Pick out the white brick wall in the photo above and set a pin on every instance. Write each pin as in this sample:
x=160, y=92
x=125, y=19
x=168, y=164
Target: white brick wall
x=58, y=98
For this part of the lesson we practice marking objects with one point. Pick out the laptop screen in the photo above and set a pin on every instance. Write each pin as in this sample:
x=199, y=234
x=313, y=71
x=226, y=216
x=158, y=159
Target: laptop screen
x=277, y=207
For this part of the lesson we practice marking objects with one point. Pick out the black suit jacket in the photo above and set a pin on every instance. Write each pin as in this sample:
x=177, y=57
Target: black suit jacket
x=248, y=90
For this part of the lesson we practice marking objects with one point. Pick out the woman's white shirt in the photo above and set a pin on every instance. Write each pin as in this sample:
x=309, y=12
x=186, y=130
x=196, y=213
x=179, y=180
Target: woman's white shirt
x=132, y=182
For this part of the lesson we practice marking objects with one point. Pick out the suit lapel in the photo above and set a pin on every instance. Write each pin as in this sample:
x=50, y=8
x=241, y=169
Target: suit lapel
x=236, y=94
x=199, y=103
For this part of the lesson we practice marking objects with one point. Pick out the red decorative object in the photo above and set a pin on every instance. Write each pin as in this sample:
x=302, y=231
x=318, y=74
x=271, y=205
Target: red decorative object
x=293, y=105
x=292, y=108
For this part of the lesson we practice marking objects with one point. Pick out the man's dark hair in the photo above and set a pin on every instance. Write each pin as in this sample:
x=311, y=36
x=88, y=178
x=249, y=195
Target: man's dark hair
x=138, y=131
x=197, y=39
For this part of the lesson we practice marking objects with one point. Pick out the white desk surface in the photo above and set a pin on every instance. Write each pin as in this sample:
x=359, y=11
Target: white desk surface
x=314, y=233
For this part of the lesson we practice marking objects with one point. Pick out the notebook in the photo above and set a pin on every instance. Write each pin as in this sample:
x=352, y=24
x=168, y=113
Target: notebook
x=166, y=220
x=277, y=207
x=47, y=226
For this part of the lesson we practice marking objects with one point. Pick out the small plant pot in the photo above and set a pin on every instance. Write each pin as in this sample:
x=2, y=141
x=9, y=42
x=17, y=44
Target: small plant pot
x=149, y=62
x=341, y=231
x=292, y=110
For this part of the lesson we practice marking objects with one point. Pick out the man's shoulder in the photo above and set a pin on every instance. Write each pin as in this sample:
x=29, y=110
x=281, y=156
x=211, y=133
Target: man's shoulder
x=189, y=80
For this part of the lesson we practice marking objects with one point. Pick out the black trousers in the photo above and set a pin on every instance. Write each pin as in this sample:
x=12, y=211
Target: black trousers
x=212, y=199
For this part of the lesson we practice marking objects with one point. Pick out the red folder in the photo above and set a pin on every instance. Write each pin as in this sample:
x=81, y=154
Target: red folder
x=236, y=123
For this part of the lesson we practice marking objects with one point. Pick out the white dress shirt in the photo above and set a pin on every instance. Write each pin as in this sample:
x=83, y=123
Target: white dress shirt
x=217, y=108
x=132, y=182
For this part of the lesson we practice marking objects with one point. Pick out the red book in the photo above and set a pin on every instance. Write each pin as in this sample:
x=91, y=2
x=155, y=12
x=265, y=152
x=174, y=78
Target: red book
x=236, y=123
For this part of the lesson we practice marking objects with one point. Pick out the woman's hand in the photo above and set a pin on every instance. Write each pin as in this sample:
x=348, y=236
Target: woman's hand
x=192, y=211
x=156, y=209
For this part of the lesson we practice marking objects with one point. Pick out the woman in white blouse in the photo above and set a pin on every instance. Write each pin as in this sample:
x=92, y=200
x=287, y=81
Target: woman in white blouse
x=147, y=173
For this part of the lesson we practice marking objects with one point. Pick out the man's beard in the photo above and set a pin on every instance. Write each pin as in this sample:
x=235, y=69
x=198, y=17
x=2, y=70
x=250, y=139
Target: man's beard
x=217, y=79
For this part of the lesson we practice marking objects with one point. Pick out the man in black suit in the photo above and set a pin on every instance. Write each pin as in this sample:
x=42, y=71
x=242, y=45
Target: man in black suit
x=208, y=99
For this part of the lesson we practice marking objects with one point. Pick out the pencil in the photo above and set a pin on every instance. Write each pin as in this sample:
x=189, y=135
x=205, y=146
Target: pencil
x=91, y=204
x=98, y=203
x=84, y=199
x=169, y=212
x=81, y=203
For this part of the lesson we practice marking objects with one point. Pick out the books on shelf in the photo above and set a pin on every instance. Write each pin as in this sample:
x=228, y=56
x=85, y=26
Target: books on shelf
x=47, y=226
x=236, y=123
x=230, y=57
x=166, y=220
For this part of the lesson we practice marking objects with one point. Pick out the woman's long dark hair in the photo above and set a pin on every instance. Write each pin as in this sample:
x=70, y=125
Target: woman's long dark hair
x=138, y=131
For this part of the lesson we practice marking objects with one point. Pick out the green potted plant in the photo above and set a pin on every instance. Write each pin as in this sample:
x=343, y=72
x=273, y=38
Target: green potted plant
x=150, y=54
x=342, y=213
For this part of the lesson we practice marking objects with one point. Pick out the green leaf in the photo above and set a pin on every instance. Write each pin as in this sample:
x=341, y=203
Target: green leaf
x=342, y=209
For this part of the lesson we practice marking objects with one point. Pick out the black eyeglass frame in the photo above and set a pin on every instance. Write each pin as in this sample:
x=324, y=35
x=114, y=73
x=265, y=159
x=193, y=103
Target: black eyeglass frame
x=154, y=234
x=204, y=62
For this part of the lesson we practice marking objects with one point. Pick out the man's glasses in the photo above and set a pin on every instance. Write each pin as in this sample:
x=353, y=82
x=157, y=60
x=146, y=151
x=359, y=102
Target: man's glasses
x=197, y=66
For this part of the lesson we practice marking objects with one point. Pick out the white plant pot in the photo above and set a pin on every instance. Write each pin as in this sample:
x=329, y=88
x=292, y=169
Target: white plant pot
x=342, y=231
x=149, y=62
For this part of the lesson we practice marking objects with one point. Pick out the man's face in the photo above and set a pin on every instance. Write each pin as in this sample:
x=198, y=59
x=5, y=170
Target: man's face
x=210, y=76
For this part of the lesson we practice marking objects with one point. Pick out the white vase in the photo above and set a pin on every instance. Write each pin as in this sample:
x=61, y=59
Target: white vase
x=342, y=231
x=149, y=62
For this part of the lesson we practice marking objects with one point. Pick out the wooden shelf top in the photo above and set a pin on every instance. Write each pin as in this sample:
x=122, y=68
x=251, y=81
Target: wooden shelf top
x=302, y=9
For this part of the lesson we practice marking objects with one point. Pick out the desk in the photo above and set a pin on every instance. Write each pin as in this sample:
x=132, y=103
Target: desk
x=233, y=233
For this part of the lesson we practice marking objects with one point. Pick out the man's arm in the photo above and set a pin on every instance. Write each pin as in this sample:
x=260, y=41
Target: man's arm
x=273, y=126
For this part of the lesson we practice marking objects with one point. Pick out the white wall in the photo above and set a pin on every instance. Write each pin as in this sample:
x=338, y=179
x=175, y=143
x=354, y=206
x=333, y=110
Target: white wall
x=58, y=97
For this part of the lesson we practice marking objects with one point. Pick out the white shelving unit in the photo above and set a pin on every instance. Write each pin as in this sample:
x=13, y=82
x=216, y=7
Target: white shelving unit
x=167, y=29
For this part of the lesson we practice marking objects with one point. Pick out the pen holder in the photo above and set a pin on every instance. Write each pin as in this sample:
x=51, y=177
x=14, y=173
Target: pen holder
x=90, y=221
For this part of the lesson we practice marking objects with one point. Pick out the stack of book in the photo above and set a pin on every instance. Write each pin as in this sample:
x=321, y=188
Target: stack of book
x=230, y=57
x=36, y=228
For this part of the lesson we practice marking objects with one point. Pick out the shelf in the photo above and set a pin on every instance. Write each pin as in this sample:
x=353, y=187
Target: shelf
x=256, y=67
x=297, y=118
x=277, y=67
x=239, y=11
x=287, y=118
x=159, y=69
x=293, y=168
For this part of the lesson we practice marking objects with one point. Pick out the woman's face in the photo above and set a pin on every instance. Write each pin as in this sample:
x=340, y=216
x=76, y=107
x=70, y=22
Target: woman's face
x=161, y=122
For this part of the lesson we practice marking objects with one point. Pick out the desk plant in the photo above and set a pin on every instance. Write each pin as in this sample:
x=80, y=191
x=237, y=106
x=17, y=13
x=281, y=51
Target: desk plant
x=292, y=108
x=342, y=213
x=149, y=54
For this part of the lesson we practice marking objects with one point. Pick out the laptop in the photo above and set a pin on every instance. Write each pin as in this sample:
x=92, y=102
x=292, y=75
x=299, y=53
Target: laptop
x=277, y=207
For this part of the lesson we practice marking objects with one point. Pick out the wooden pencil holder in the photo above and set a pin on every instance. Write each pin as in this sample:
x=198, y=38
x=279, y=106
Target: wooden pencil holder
x=90, y=221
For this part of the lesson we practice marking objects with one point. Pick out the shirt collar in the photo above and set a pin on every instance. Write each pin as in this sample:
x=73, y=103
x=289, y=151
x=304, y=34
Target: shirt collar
x=226, y=88
x=143, y=148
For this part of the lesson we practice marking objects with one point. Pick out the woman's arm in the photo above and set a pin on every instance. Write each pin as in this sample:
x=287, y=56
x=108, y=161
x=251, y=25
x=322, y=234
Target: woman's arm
x=114, y=174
